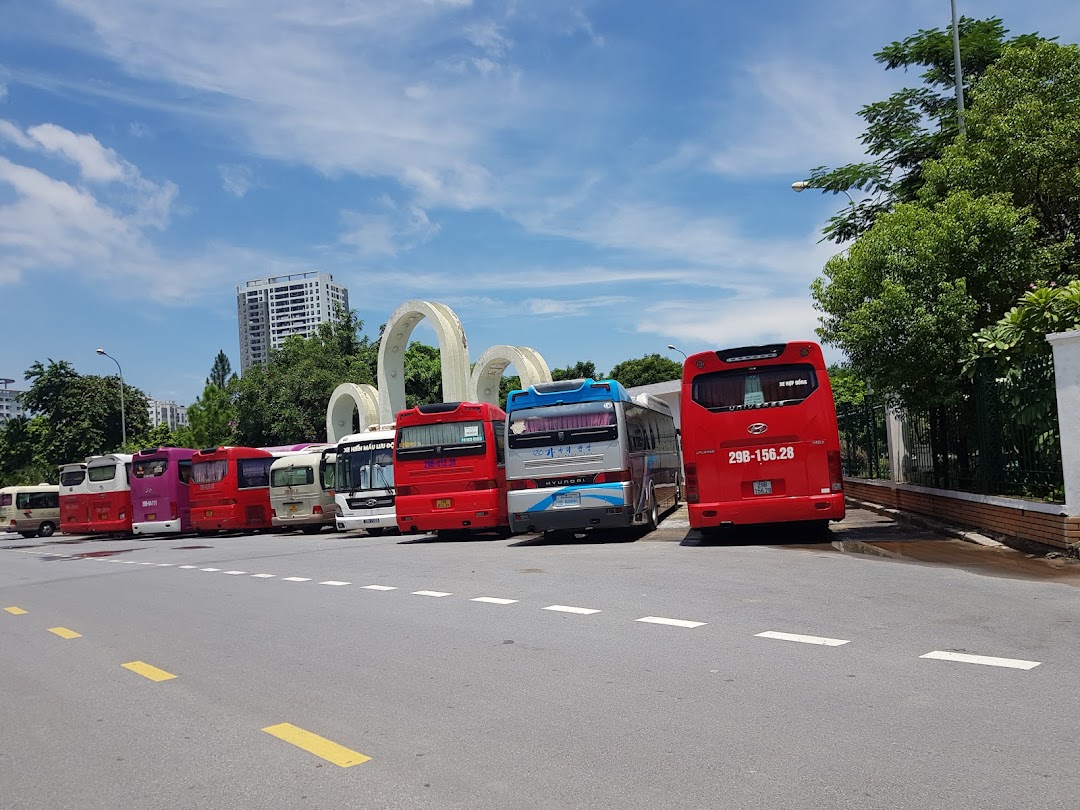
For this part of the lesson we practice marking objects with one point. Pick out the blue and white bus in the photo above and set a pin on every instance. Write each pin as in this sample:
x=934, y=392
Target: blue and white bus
x=583, y=454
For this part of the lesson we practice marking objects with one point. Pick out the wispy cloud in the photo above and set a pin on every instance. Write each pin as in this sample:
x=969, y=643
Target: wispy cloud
x=389, y=231
x=552, y=307
x=236, y=179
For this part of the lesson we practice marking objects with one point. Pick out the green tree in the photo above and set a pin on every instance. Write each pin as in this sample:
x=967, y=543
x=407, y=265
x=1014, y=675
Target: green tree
x=652, y=368
x=849, y=389
x=904, y=302
x=913, y=125
x=159, y=436
x=221, y=371
x=81, y=413
x=581, y=370
x=211, y=420
x=423, y=375
x=20, y=460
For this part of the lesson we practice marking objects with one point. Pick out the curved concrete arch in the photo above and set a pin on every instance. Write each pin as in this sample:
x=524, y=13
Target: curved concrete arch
x=489, y=369
x=347, y=398
x=453, y=353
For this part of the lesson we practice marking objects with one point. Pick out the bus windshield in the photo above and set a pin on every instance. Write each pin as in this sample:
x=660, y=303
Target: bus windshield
x=557, y=424
x=292, y=477
x=72, y=478
x=209, y=472
x=766, y=387
x=106, y=472
x=448, y=438
x=152, y=468
x=366, y=466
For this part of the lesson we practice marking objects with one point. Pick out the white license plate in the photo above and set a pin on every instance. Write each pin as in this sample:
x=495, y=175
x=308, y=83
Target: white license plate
x=567, y=500
x=371, y=520
x=763, y=487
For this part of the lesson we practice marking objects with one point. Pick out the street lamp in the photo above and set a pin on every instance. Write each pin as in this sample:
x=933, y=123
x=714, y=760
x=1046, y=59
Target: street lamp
x=123, y=421
x=958, y=78
x=803, y=185
x=677, y=349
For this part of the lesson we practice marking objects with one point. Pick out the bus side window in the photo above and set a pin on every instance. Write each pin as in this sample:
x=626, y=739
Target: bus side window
x=499, y=429
x=184, y=472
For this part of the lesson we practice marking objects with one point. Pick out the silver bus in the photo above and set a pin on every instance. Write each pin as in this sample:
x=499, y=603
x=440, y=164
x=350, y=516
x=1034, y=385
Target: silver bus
x=584, y=454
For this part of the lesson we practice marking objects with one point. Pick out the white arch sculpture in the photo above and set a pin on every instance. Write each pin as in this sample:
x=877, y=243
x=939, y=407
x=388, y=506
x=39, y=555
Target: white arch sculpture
x=488, y=371
x=347, y=399
x=453, y=354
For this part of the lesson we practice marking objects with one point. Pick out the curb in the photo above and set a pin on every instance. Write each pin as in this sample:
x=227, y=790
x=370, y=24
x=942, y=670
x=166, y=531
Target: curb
x=924, y=522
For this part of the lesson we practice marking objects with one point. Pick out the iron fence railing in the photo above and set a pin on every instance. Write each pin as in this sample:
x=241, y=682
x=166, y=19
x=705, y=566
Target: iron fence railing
x=864, y=449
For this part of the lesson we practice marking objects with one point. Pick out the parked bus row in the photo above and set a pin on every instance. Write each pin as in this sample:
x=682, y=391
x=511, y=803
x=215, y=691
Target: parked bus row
x=759, y=444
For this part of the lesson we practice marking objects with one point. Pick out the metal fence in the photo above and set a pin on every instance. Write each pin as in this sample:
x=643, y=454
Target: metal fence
x=1003, y=439
x=864, y=449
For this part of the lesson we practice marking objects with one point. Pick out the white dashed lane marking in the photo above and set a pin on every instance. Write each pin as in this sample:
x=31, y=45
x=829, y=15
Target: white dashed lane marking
x=184, y=566
x=296, y=579
x=826, y=642
x=569, y=609
x=264, y=576
x=209, y=569
x=491, y=600
x=234, y=573
x=431, y=593
x=672, y=622
x=378, y=588
x=334, y=582
x=986, y=660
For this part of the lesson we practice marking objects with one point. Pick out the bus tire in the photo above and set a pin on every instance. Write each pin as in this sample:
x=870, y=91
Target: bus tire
x=46, y=529
x=28, y=535
x=652, y=518
x=313, y=529
x=375, y=532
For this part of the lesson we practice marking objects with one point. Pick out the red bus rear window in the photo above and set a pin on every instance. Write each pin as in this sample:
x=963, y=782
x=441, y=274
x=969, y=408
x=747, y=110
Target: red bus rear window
x=209, y=472
x=768, y=386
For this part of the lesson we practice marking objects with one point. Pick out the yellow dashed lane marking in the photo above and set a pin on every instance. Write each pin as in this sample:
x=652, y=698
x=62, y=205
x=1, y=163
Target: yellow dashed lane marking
x=15, y=611
x=319, y=746
x=147, y=671
x=63, y=632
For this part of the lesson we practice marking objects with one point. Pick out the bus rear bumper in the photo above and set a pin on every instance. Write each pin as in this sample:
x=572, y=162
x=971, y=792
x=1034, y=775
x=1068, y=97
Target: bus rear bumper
x=472, y=510
x=767, y=510
x=157, y=527
x=552, y=520
x=346, y=523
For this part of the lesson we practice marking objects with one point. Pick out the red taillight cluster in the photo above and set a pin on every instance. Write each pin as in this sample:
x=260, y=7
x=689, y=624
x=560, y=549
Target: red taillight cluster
x=692, y=495
x=316, y=510
x=173, y=514
x=524, y=483
x=611, y=477
x=836, y=471
x=486, y=483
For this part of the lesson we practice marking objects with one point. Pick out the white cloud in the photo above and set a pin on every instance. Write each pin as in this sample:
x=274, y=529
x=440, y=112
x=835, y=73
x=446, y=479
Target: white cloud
x=95, y=162
x=236, y=179
x=731, y=321
x=389, y=232
x=575, y=306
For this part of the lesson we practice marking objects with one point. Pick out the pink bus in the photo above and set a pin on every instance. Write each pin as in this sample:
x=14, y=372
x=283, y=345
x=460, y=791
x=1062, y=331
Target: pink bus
x=160, y=487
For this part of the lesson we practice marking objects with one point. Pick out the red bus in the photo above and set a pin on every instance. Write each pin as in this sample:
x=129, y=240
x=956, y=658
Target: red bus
x=108, y=480
x=74, y=499
x=230, y=489
x=449, y=468
x=759, y=436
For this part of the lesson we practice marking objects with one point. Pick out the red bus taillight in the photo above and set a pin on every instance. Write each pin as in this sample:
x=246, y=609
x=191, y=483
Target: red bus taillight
x=692, y=495
x=487, y=483
x=273, y=513
x=524, y=483
x=407, y=491
x=316, y=510
x=836, y=471
x=172, y=510
x=611, y=477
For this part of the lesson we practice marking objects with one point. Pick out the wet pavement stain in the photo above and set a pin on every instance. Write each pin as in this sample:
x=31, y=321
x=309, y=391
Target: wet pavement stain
x=85, y=554
x=187, y=548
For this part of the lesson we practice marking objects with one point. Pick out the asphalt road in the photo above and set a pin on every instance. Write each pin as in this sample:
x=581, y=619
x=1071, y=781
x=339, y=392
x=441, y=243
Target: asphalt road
x=297, y=685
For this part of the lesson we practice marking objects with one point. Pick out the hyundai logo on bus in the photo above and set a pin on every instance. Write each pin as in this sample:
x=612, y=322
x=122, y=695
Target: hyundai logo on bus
x=757, y=428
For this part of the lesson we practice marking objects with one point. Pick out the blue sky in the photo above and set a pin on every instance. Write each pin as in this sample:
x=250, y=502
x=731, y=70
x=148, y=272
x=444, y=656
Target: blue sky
x=595, y=179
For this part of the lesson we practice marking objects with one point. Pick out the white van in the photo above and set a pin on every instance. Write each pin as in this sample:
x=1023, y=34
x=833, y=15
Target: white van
x=30, y=511
x=302, y=491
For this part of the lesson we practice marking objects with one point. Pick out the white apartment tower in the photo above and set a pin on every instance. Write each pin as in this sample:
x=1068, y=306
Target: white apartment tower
x=166, y=411
x=9, y=405
x=271, y=309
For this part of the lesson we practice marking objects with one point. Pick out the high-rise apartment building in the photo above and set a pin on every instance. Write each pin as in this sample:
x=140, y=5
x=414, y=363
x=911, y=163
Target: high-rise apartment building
x=9, y=406
x=166, y=411
x=271, y=309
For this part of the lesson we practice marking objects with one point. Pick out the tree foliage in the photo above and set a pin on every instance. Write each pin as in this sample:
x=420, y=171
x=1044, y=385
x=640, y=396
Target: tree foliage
x=221, y=371
x=581, y=370
x=913, y=125
x=652, y=368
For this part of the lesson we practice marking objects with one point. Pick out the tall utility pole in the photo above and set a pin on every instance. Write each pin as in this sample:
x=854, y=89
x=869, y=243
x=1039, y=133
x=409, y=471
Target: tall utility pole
x=957, y=74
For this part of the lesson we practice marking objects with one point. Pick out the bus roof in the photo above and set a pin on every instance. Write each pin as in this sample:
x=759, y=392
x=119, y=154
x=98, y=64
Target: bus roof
x=17, y=488
x=229, y=452
x=564, y=391
x=793, y=351
x=369, y=436
x=167, y=452
x=449, y=412
x=111, y=458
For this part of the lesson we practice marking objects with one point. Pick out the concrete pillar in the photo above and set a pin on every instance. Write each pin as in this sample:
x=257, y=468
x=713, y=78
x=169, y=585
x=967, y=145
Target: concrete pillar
x=897, y=444
x=1067, y=375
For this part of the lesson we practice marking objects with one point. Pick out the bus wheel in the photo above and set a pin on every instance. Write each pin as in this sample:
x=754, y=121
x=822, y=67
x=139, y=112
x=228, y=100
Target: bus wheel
x=652, y=520
x=375, y=532
x=314, y=529
x=46, y=529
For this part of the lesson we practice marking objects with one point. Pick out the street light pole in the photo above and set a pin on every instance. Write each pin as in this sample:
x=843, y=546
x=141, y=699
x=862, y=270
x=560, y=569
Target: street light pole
x=677, y=349
x=123, y=420
x=958, y=78
x=803, y=185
